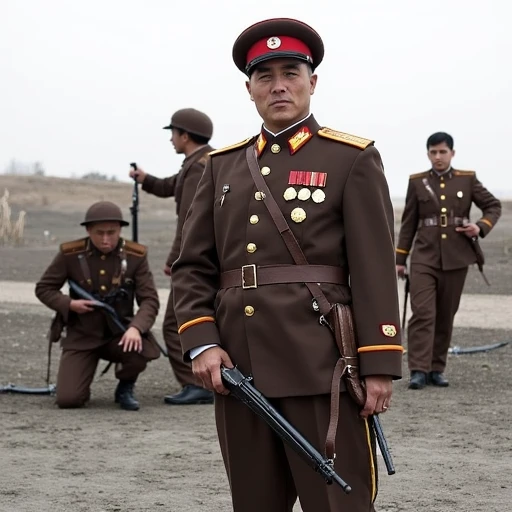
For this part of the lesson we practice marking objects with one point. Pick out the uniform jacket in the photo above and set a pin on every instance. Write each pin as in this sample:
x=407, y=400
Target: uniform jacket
x=273, y=331
x=445, y=202
x=182, y=186
x=91, y=330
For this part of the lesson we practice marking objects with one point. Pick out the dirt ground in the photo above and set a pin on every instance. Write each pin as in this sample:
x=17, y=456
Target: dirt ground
x=452, y=447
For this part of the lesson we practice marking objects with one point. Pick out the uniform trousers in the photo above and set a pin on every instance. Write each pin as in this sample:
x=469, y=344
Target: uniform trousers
x=77, y=369
x=182, y=370
x=435, y=298
x=267, y=476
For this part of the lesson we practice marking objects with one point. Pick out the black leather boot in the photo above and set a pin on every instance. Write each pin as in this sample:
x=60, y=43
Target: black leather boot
x=190, y=395
x=418, y=380
x=124, y=395
x=438, y=379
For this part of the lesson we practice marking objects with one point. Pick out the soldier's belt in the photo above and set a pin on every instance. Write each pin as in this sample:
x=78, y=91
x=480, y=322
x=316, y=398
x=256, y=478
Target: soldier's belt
x=442, y=221
x=252, y=276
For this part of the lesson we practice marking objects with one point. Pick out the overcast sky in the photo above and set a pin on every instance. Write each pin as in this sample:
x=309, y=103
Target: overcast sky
x=88, y=86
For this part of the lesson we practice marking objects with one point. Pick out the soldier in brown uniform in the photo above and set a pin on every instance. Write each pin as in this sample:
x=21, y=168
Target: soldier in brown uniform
x=240, y=299
x=191, y=131
x=437, y=213
x=115, y=271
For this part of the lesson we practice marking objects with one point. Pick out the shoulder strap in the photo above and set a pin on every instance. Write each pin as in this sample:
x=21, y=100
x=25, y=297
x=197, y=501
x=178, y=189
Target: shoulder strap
x=284, y=229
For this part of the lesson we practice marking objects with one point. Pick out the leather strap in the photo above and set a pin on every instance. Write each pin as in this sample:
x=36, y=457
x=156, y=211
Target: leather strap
x=252, y=276
x=314, y=288
x=286, y=233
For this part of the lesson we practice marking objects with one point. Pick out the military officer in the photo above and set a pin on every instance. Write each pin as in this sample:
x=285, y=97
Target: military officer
x=113, y=270
x=240, y=299
x=191, y=131
x=436, y=212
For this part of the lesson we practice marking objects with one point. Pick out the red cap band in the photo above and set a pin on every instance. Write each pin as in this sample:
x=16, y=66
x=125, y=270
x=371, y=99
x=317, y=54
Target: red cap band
x=276, y=44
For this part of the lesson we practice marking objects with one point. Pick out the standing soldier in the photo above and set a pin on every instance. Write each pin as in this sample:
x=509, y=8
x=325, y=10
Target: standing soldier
x=115, y=271
x=437, y=213
x=240, y=299
x=191, y=131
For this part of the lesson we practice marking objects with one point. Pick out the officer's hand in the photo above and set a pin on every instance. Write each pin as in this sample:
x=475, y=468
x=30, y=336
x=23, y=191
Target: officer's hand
x=401, y=271
x=167, y=270
x=206, y=367
x=470, y=230
x=378, y=394
x=82, y=306
x=138, y=174
x=131, y=340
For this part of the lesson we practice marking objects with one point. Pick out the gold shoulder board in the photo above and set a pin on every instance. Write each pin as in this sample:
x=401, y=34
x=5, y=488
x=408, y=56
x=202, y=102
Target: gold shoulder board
x=74, y=247
x=229, y=148
x=346, y=138
x=463, y=173
x=419, y=175
x=134, y=248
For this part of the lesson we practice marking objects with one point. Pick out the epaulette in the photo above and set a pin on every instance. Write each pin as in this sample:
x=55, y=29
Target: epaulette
x=423, y=174
x=202, y=161
x=74, y=247
x=134, y=248
x=463, y=173
x=346, y=138
x=229, y=148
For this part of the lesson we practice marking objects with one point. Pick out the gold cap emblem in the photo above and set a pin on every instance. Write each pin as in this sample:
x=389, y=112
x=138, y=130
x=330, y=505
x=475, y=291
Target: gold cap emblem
x=289, y=194
x=275, y=148
x=388, y=330
x=304, y=194
x=318, y=196
x=273, y=43
x=298, y=215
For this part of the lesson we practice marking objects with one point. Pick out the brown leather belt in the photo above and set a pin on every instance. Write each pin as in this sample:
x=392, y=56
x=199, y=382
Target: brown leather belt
x=252, y=276
x=442, y=221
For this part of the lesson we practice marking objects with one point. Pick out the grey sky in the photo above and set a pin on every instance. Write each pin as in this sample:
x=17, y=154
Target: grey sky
x=89, y=86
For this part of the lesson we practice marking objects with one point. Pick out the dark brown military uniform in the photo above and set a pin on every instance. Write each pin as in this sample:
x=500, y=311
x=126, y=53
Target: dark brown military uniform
x=331, y=188
x=183, y=187
x=435, y=205
x=92, y=336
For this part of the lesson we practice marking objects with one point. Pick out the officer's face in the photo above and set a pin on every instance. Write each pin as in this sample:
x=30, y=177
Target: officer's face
x=281, y=90
x=104, y=235
x=440, y=156
x=178, y=140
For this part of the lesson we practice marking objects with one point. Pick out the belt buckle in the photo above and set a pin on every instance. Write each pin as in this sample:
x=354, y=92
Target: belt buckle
x=444, y=220
x=249, y=277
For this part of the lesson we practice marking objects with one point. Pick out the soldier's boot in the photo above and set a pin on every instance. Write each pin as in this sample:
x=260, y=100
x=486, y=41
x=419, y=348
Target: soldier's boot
x=418, y=380
x=124, y=395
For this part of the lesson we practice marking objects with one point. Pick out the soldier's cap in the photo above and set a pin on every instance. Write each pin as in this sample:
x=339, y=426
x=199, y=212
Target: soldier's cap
x=277, y=38
x=192, y=121
x=104, y=211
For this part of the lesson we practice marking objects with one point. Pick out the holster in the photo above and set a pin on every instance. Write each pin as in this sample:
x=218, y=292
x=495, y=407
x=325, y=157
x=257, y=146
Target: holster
x=56, y=327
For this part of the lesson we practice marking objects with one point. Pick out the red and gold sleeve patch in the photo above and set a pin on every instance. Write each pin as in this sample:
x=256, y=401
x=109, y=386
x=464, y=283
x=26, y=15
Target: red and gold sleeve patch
x=380, y=348
x=196, y=321
x=486, y=221
x=402, y=251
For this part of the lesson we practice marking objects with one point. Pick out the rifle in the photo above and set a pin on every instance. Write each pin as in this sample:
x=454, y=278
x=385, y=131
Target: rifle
x=107, y=308
x=134, y=209
x=240, y=387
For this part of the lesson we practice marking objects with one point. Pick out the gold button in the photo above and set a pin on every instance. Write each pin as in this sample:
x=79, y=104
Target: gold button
x=443, y=197
x=249, y=310
x=103, y=287
x=442, y=185
x=443, y=210
x=259, y=196
x=275, y=148
x=265, y=171
x=251, y=247
x=102, y=272
x=442, y=178
x=444, y=235
x=254, y=219
x=103, y=257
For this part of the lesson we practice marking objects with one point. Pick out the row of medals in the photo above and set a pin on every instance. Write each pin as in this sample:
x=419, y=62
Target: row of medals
x=299, y=214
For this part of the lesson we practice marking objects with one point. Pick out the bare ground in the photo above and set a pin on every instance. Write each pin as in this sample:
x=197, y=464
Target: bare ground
x=452, y=447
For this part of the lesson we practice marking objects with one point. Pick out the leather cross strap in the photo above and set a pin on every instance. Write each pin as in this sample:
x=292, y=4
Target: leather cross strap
x=314, y=288
x=252, y=276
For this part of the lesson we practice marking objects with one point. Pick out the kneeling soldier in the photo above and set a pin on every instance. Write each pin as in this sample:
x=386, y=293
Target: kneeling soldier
x=115, y=271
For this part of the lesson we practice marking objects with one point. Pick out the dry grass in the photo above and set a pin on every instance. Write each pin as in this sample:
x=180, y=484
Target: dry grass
x=11, y=232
